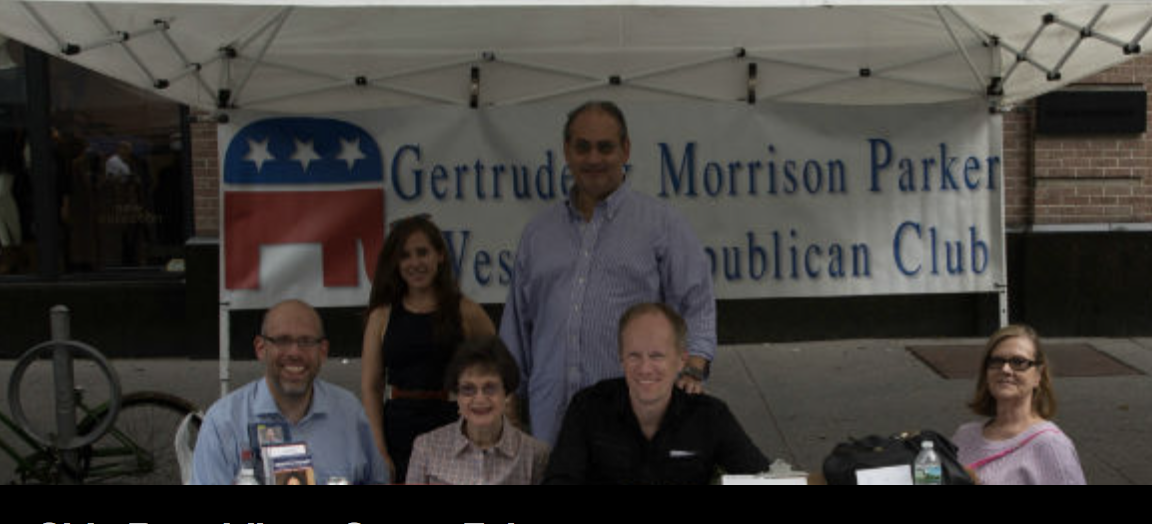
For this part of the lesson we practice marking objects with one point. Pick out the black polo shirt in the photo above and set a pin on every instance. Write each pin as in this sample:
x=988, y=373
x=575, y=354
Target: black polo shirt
x=601, y=441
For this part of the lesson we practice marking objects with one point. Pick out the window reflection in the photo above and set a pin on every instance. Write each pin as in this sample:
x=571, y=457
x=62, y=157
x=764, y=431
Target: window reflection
x=119, y=150
x=118, y=169
x=15, y=197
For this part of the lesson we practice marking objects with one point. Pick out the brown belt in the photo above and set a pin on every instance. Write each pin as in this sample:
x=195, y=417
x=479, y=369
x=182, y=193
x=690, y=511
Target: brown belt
x=410, y=394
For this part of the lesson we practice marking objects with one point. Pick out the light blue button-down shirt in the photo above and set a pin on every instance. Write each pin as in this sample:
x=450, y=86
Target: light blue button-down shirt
x=573, y=281
x=335, y=429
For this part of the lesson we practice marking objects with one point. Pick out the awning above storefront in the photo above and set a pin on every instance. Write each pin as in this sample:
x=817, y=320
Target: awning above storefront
x=313, y=56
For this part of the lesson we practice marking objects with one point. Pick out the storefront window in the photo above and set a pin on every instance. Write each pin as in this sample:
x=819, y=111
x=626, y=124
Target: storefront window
x=15, y=196
x=119, y=151
x=118, y=168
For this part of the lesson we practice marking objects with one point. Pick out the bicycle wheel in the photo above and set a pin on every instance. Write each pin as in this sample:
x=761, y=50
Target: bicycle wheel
x=140, y=447
x=86, y=434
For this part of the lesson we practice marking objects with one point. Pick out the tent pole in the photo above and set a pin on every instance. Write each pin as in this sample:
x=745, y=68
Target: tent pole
x=421, y=70
x=1087, y=31
x=588, y=86
x=659, y=71
x=548, y=69
x=279, y=24
x=1022, y=56
x=225, y=350
x=984, y=37
x=189, y=67
x=1134, y=46
x=35, y=15
x=669, y=91
x=342, y=84
x=123, y=38
x=980, y=82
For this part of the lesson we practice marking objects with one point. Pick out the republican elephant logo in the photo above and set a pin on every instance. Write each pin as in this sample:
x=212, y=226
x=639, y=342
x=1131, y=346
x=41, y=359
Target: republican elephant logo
x=302, y=181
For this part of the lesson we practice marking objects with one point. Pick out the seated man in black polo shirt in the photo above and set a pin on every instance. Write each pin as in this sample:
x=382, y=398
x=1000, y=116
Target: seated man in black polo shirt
x=642, y=429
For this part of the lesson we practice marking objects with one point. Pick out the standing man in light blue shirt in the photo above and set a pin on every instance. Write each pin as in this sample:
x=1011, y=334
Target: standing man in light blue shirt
x=583, y=263
x=328, y=418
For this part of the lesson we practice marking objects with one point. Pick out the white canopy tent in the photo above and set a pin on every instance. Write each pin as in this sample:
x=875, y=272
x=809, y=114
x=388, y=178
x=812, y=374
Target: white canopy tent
x=322, y=56
x=307, y=56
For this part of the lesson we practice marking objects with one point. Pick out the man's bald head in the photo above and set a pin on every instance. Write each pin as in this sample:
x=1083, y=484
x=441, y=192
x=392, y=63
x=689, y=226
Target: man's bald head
x=295, y=313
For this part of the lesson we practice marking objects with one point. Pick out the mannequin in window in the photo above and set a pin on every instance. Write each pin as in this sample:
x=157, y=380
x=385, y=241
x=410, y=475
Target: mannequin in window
x=11, y=234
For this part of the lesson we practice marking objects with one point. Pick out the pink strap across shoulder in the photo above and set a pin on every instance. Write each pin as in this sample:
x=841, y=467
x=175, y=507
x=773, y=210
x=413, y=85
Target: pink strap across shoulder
x=981, y=463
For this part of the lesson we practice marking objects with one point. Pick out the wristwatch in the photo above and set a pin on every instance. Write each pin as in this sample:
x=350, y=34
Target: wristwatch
x=694, y=373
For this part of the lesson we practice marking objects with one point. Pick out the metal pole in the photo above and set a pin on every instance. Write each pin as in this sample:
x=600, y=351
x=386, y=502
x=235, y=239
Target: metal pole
x=1002, y=282
x=65, y=382
x=225, y=361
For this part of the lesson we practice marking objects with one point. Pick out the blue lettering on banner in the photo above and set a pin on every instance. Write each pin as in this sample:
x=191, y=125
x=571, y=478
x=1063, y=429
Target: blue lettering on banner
x=477, y=179
x=804, y=202
x=461, y=251
x=953, y=257
x=920, y=174
x=780, y=255
x=789, y=258
x=681, y=177
x=398, y=189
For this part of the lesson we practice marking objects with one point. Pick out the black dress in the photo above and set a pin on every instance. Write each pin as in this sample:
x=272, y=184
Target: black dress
x=415, y=362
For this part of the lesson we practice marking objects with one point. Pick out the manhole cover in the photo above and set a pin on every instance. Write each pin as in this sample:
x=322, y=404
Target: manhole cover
x=1068, y=360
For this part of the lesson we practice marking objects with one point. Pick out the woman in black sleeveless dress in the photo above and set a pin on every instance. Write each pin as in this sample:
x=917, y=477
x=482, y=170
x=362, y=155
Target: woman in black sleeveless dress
x=417, y=316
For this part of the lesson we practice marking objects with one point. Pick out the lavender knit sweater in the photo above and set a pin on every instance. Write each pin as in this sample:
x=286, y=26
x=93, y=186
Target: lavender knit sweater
x=1048, y=459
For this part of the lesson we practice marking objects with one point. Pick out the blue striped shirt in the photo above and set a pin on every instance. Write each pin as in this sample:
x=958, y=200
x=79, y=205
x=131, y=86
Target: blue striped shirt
x=573, y=281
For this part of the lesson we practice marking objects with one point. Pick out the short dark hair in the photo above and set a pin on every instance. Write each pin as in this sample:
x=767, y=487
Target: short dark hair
x=679, y=326
x=605, y=106
x=490, y=355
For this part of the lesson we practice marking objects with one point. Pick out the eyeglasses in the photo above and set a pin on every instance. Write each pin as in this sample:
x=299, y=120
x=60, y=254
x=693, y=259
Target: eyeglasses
x=286, y=342
x=1018, y=364
x=605, y=148
x=471, y=390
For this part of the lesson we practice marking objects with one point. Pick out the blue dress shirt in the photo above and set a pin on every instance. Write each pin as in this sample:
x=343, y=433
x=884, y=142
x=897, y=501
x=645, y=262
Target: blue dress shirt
x=335, y=429
x=573, y=281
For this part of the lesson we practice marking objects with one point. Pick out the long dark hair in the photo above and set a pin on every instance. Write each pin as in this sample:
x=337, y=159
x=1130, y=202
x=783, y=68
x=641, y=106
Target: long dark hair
x=389, y=288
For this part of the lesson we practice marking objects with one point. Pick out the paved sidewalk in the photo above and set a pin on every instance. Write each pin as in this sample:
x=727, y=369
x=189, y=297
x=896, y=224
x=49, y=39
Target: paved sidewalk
x=796, y=400
x=799, y=400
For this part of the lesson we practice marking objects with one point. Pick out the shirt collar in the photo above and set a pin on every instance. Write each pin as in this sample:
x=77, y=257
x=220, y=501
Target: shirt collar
x=671, y=415
x=264, y=405
x=509, y=440
x=610, y=206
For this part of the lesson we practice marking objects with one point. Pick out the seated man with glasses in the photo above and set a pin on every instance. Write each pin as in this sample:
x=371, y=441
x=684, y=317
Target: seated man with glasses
x=484, y=447
x=329, y=419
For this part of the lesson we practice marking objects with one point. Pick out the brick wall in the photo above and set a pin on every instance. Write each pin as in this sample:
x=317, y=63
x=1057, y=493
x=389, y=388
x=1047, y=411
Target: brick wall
x=1048, y=181
x=205, y=180
x=1056, y=181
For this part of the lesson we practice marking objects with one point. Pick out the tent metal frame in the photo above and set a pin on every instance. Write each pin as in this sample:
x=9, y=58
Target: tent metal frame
x=240, y=60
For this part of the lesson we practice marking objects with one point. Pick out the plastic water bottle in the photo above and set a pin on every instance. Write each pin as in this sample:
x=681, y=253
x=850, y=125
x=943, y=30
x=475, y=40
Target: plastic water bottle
x=247, y=475
x=928, y=469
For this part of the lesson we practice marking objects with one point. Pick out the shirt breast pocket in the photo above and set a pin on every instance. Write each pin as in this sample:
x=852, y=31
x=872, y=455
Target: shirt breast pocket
x=629, y=275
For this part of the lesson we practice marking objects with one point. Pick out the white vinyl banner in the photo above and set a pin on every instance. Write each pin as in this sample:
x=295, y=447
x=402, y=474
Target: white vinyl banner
x=788, y=200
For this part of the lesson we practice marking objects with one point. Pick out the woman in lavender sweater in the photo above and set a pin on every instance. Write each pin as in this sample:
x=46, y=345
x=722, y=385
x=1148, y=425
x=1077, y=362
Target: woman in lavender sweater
x=1019, y=444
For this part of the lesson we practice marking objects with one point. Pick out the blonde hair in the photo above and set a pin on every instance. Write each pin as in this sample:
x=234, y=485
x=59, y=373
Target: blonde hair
x=679, y=325
x=1043, y=398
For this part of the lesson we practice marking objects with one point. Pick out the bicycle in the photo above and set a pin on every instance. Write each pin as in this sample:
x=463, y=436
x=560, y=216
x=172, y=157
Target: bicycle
x=129, y=438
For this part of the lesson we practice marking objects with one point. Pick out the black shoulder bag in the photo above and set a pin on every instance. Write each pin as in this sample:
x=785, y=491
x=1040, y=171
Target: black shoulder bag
x=881, y=452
